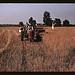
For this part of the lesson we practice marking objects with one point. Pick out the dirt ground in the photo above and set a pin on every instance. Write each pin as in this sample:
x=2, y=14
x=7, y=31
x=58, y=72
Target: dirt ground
x=55, y=53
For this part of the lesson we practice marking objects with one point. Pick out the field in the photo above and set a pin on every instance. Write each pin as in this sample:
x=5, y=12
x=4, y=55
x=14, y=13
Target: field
x=55, y=53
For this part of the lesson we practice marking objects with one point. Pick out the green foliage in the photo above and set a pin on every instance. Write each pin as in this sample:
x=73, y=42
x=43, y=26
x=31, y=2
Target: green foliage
x=57, y=22
x=21, y=23
x=66, y=23
x=46, y=19
x=31, y=21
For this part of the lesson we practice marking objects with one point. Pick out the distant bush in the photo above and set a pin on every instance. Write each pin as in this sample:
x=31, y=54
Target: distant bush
x=66, y=23
x=21, y=23
x=57, y=22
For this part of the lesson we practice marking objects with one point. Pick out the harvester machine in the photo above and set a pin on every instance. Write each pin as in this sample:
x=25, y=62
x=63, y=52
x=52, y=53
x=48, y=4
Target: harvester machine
x=31, y=32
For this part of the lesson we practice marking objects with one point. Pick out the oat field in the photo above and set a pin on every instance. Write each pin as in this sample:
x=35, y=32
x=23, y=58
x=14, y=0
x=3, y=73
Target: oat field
x=55, y=53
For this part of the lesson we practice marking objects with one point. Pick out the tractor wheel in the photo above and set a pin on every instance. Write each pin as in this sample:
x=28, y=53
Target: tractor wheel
x=30, y=40
x=21, y=35
x=37, y=35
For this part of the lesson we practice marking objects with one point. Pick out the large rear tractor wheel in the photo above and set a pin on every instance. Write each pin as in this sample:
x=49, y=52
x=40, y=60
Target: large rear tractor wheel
x=37, y=35
x=30, y=40
x=21, y=35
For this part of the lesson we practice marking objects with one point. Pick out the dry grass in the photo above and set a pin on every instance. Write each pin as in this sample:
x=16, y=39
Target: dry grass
x=56, y=53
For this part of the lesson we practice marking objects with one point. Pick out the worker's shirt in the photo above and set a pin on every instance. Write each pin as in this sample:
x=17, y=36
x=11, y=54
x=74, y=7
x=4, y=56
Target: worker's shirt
x=29, y=28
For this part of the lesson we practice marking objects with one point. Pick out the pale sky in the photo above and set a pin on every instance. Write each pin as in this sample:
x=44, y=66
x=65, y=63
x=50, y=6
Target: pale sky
x=13, y=13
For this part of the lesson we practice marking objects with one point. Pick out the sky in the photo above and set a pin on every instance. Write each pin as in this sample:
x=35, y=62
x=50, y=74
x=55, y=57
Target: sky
x=13, y=13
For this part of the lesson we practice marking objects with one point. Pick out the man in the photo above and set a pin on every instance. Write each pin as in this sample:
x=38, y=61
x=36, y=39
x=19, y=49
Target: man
x=26, y=27
x=29, y=27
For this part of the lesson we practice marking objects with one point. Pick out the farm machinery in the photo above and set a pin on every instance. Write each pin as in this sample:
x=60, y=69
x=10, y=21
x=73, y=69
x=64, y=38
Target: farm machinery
x=31, y=31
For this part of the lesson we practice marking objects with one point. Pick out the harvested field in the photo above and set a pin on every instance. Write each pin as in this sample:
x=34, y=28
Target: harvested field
x=55, y=53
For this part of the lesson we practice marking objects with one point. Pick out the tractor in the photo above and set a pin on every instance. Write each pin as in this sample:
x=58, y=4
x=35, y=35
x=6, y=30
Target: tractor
x=31, y=32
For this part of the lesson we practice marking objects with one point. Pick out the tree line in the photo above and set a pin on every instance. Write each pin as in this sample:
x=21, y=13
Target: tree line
x=57, y=22
x=47, y=20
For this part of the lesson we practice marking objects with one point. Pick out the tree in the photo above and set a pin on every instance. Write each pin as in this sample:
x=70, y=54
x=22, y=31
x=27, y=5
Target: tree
x=46, y=19
x=57, y=22
x=21, y=23
x=66, y=23
x=32, y=22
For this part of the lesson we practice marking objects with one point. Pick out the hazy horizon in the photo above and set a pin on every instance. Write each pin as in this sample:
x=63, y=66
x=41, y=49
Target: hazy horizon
x=13, y=13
